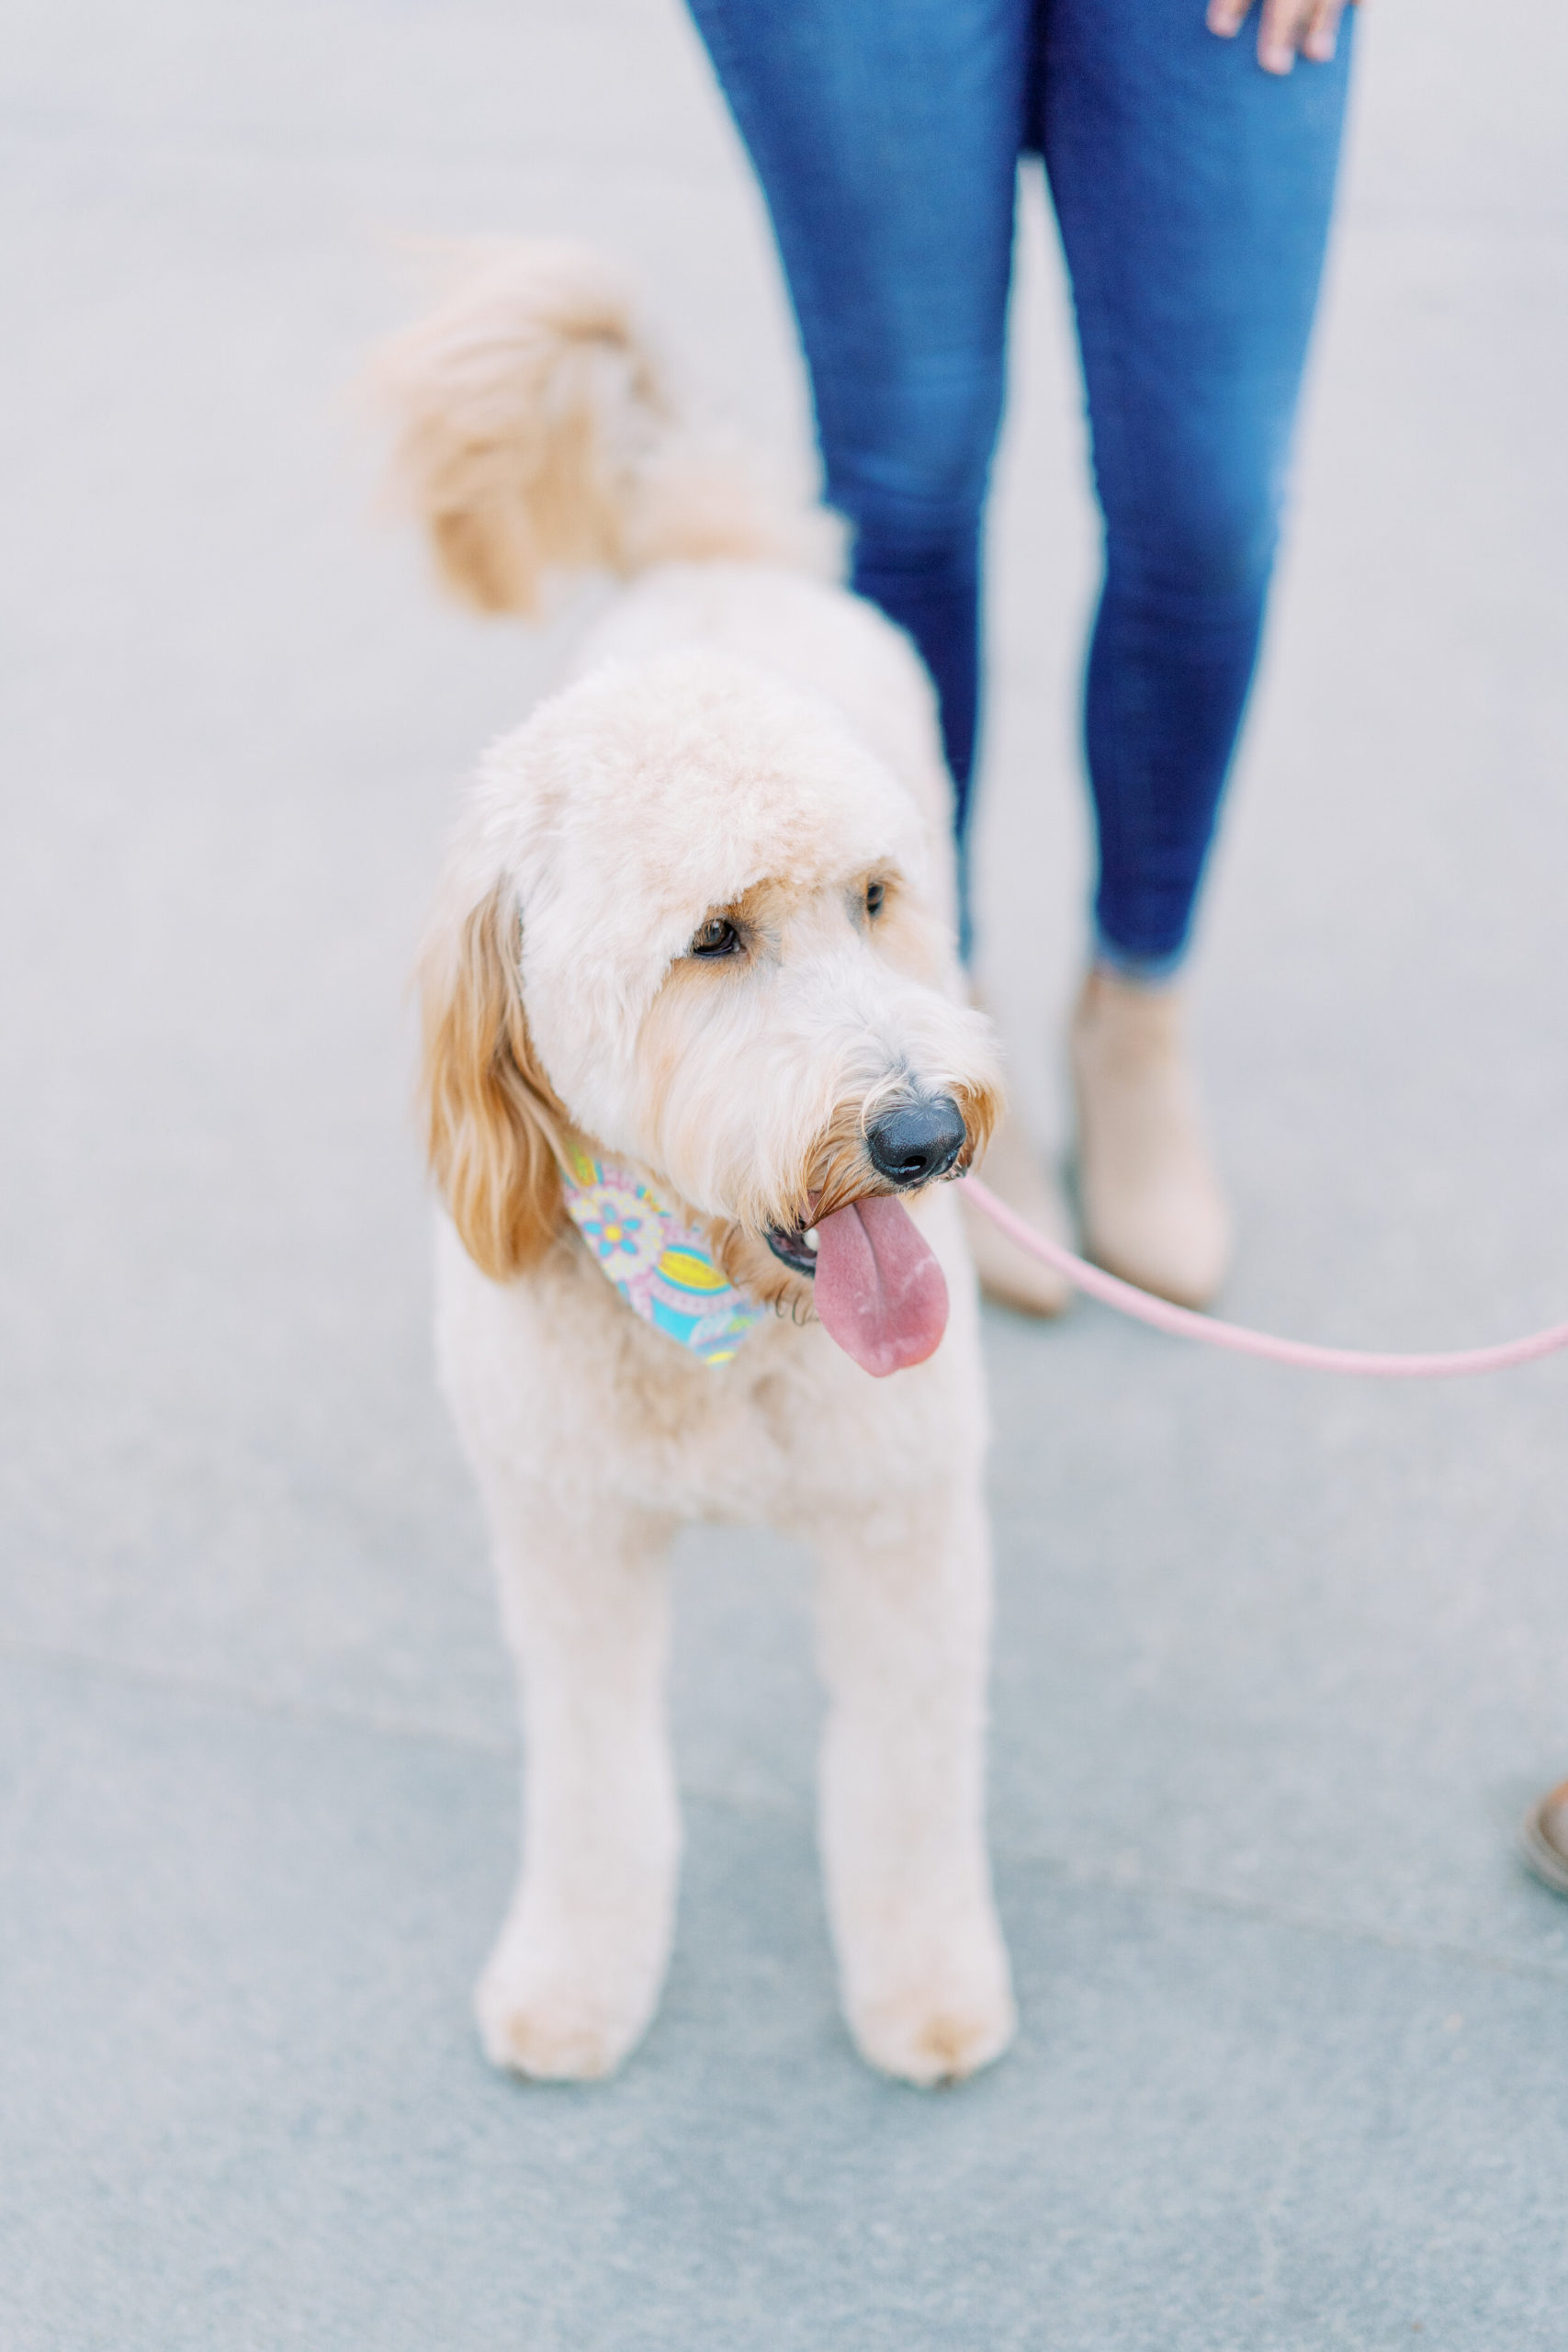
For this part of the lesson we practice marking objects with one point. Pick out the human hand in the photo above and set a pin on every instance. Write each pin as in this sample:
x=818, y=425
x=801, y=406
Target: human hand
x=1287, y=29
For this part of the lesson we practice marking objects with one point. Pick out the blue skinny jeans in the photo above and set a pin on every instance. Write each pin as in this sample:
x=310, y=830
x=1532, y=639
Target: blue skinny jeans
x=1193, y=193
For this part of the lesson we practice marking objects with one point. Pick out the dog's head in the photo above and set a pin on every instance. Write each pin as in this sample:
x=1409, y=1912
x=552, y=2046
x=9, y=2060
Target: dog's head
x=690, y=919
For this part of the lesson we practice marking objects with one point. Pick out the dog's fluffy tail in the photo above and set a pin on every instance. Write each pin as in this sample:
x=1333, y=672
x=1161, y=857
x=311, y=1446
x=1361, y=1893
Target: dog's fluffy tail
x=532, y=435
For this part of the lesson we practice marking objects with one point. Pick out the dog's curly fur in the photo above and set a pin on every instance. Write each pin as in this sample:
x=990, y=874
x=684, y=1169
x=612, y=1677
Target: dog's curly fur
x=740, y=739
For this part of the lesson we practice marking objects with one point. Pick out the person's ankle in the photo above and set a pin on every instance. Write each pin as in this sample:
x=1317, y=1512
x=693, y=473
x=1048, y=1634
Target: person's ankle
x=1022, y=1180
x=1153, y=1206
x=1150, y=973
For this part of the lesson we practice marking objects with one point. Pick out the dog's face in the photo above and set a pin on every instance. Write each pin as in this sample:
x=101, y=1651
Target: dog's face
x=699, y=922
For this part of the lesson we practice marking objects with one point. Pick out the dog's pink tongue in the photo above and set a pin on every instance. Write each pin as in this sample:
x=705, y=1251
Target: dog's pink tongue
x=879, y=1290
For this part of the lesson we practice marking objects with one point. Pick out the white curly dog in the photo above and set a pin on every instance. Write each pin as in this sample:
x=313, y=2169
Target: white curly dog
x=697, y=1059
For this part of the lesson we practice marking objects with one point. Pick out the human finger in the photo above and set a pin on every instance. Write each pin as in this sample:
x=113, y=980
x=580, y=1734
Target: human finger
x=1323, y=31
x=1287, y=29
x=1279, y=32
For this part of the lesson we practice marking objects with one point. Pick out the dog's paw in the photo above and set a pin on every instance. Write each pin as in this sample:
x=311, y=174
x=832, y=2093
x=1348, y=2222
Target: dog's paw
x=558, y=2023
x=552, y=2030
x=932, y=2009
x=926, y=2035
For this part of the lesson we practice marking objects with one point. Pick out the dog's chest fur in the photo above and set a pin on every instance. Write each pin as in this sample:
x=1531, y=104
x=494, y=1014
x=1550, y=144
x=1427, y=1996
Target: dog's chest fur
x=555, y=1381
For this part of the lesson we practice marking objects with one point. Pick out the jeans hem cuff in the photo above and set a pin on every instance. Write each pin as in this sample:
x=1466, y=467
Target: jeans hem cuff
x=1143, y=971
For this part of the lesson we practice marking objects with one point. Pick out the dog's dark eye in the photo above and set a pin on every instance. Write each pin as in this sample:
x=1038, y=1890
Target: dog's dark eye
x=875, y=892
x=717, y=936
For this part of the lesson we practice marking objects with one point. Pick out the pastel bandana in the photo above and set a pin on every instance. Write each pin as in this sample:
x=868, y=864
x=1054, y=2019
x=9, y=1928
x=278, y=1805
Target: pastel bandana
x=661, y=1266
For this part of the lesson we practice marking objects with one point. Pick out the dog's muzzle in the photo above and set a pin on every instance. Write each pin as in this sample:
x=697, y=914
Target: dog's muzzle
x=910, y=1145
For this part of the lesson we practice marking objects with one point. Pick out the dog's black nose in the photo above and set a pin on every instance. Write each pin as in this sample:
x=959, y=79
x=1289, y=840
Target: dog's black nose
x=915, y=1141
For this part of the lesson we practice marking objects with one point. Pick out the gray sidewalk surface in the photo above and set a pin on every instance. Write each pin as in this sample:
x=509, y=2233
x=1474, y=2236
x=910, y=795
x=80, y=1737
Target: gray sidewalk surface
x=1279, y=1661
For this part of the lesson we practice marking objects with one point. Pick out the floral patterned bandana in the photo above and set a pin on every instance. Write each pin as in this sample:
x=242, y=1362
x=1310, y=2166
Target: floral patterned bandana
x=661, y=1266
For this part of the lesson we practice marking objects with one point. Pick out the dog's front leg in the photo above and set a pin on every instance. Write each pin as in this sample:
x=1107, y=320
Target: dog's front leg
x=905, y=1623
x=576, y=1974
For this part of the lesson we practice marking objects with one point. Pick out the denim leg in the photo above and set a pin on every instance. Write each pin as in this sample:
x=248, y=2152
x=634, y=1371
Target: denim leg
x=1193, y=193
x=885, y=139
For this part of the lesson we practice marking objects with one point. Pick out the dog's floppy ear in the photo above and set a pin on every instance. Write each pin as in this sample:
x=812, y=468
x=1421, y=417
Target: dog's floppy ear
x=493, y=1122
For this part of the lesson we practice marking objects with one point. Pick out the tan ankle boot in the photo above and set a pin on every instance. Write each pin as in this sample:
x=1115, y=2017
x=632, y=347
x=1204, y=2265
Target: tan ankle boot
x=1153, y=1210
x=1014, y=1171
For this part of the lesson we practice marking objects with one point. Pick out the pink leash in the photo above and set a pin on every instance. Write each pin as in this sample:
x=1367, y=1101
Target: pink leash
x=1182, y=1321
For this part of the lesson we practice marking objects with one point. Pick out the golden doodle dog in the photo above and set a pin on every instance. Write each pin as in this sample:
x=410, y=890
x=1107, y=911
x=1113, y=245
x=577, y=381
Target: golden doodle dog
x=697, y=1064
